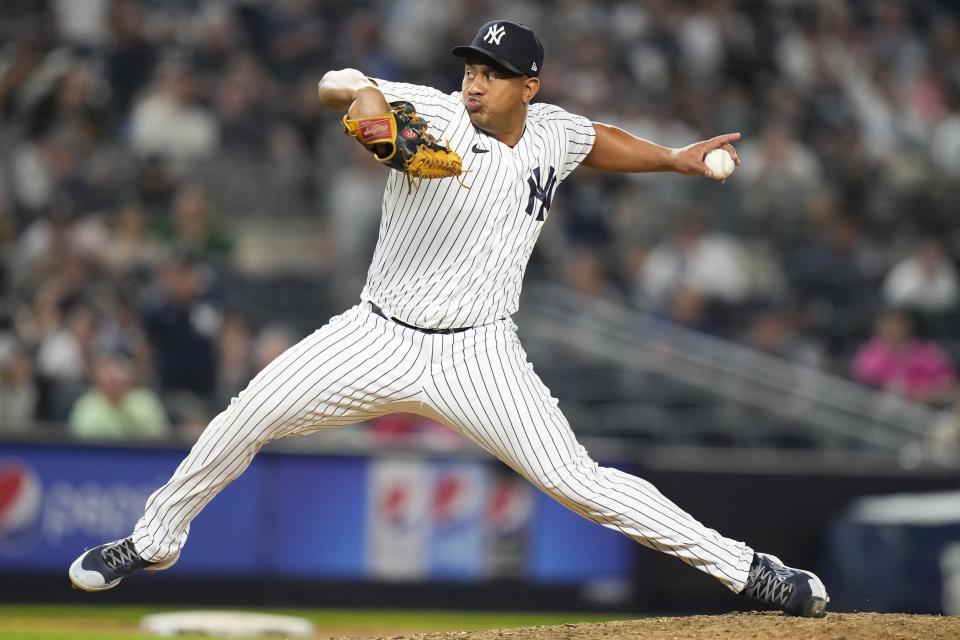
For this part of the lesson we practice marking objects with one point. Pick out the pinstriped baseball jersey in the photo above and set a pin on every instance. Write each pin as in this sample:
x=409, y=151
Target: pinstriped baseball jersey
x=454, y=256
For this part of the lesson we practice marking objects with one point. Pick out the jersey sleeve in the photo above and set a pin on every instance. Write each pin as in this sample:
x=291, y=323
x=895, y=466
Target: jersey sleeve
x=569, y=137
x=580, y=136
x=434, y=105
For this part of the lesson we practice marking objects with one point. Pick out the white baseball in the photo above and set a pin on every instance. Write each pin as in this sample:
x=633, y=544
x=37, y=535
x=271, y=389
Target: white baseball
x=720, y=163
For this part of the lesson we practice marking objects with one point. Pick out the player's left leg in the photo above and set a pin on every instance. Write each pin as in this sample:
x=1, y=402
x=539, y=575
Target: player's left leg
x=483, y=386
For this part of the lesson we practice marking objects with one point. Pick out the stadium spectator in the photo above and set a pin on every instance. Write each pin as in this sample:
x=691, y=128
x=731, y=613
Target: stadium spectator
x=946, y=145
x=56, y=244
x=62, y=362
x=193, y=227
x=895, y=360
x=925, y=281
x=270, y=342
x=353, y=208
x=8, y=236
x=120, y=330
x=82, y=24
x=154, y=185
x=40, y=169
x=691, y=309
x=170, y=122
x=181, y=323
x=698, y=259
x=297, y=36
x=130, y=55
x=23, y=57
x=775, y=332
x=943, y=438
x=131, y=249
x=233, y=356
x=781, y=174
x=116, y=409
x=18, y=391
x=220, y=35
x=241, y=105
x=587, y=274
x=834, y=269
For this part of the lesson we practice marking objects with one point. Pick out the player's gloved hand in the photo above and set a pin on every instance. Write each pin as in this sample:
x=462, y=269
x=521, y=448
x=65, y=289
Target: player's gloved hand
x=399, y=139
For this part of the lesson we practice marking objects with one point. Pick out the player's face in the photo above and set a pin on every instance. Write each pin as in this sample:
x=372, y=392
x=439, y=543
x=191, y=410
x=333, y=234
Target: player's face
x=494, y=97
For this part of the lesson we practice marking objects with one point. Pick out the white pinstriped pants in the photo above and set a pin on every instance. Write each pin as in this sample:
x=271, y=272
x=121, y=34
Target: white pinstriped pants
x=360, y=366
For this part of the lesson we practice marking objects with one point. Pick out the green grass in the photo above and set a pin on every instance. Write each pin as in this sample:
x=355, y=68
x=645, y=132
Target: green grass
x=116, y=623
x=86, y=635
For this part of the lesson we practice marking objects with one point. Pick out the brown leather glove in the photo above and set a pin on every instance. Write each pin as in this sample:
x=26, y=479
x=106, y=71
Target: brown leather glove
x=399, y=139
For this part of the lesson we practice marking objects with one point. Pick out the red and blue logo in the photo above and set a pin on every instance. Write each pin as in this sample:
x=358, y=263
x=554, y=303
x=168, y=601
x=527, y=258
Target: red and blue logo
x=395, y=504
x=21, y=498
x=510, y=505
x=449, y=498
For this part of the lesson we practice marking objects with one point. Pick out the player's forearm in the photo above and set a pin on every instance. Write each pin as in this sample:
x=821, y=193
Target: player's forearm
x=339, y=90
x=616, y=150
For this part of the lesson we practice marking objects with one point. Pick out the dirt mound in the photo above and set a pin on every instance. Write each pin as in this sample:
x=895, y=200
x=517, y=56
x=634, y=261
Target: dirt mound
x=740, y=626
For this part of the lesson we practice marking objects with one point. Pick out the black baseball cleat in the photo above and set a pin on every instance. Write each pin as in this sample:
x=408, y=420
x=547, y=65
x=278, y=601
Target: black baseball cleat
x=795, y=592
x=103, y=567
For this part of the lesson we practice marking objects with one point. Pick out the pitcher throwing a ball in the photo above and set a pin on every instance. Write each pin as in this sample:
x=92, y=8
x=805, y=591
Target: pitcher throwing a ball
x=432, y=333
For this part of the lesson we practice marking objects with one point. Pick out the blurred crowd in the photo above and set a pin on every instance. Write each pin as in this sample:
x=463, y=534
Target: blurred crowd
x=156, y=151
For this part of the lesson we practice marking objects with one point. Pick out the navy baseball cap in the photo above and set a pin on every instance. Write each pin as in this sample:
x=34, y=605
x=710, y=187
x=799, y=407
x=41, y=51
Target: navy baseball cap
x=511, y=45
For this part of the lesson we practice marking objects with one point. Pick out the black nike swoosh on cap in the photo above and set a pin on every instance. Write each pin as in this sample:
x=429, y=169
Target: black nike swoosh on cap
x=476, y=149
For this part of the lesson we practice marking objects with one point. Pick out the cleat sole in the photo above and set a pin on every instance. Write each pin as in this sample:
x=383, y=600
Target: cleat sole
x=813, y=608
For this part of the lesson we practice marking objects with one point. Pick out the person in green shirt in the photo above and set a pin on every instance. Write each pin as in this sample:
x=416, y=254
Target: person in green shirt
x=114, y=408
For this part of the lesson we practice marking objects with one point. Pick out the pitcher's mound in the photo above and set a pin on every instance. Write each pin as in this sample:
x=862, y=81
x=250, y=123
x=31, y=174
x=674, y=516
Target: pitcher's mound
x=736, y=626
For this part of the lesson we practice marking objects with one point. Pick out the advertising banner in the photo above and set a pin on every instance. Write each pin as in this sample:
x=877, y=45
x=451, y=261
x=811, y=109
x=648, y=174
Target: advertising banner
x=458, y=530
x=57, y=501
x=306, y=516
x=398, y=519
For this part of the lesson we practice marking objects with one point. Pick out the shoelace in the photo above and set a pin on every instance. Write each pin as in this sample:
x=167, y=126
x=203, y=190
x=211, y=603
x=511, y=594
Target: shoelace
x=120, y=556
x=770, y=584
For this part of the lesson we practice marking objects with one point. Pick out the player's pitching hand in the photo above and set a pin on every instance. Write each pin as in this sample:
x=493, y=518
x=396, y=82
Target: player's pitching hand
x=689, y=159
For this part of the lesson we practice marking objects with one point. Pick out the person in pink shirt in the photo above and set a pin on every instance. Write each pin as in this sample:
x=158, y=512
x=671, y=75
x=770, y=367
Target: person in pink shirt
x=896, y=360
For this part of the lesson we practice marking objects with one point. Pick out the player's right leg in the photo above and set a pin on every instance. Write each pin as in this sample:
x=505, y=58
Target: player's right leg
x=356, y=367
x=485, y=388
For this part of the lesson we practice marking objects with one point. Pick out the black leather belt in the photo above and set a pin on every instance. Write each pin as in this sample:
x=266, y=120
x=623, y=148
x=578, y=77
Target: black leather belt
x=377, y=310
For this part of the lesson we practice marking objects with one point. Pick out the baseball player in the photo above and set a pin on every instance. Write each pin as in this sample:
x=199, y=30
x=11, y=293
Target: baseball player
x=433, y=334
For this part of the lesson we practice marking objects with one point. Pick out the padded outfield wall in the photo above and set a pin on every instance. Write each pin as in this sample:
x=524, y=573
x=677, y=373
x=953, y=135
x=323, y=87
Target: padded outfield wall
x=415, y=530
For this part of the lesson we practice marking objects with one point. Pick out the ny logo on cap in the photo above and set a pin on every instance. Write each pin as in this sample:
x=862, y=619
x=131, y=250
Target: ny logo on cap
x=494, y=34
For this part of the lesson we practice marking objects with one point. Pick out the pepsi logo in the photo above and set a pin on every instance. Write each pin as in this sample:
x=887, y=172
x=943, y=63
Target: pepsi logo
x=459, y=493
x=395, y=503
x=447, y=497
x=20, y=497
x=409, y=134
x=510, y=505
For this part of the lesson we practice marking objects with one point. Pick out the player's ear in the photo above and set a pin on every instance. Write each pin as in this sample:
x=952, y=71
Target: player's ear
x=530, y=88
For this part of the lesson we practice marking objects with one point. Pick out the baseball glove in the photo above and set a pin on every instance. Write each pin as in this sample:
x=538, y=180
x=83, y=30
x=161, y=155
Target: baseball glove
x=399, y=139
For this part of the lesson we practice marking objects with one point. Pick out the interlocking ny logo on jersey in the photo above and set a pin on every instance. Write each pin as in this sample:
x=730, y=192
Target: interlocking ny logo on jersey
x=494, y=34
x=542, y=193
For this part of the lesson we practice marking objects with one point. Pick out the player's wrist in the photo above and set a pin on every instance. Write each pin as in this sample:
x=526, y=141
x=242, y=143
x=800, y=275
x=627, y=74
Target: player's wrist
x=672, y=160
x=368, y=101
